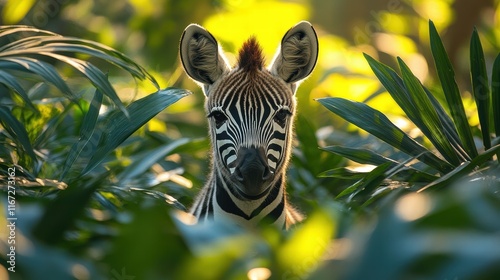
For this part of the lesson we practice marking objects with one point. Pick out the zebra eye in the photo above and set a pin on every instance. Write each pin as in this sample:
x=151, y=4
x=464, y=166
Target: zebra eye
x=219, y=117
x=281, y=116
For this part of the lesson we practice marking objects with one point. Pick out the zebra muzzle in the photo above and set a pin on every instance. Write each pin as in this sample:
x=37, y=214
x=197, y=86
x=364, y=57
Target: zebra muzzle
x=252, y=171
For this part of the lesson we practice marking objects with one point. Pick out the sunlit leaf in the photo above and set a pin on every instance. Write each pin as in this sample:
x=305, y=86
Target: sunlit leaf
x=95, y=75
x=368, y=184
x=379, y=125
x=359, y=155
x=480, y=86
x=411, y=102
x=449, y=128
x=365, y=156
x=47, y=42
x=43, y=69
x=119, y=127
x=429, y=116
x=495, y=92
x=453, y=97
x=141, y=165
x=396, y=88
x=463, y=170
x=343, y=173
x=374, y=176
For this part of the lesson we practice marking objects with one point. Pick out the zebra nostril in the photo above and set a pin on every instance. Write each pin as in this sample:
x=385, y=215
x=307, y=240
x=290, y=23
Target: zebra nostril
x=266, y=174
x=237, y=174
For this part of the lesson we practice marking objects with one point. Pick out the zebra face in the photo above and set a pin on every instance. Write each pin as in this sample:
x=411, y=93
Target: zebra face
x=250, y=119
x=250, y=108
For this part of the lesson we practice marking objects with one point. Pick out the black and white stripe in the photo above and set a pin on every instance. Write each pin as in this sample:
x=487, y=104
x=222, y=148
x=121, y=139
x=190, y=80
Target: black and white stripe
x=250, y=111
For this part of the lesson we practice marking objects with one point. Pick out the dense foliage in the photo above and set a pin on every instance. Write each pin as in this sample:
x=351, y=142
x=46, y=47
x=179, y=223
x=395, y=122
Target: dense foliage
x=102, y=174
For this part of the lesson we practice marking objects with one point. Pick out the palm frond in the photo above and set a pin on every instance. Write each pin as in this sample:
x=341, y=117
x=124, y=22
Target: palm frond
x=26, y=53
x=119, y=126
x=446, y=75
x=480, y=87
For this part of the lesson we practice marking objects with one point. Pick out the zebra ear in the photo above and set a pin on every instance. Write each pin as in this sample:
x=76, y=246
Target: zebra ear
x=201, y=56
x=297, y=55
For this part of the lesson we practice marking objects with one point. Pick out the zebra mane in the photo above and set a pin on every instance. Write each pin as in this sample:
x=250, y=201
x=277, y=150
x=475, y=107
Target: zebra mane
x=250, y=57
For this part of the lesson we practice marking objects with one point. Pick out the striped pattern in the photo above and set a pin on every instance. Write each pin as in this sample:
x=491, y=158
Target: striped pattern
x=250, y=111
x=255, y=106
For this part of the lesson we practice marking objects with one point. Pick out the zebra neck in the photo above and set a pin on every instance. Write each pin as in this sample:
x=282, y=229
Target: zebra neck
x=227, y=202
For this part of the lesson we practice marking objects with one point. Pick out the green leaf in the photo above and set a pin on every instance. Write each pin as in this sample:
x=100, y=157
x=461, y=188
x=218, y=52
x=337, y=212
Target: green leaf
x=87, y=129
x=343, y=173
x=375, y=177
x=40, y=68
x=16, y=130
x=449, y=128
x=11, y=82
x=430, y=120
x=397, y=89
x=450, y=88
x=95, y=75
x=480, y=86
x=148, y=159
x=379, y=126
x=359, y=155
x=75, y=45
x=495, y=93
x=40, y=42
x=364, y=156
x=463, y=169
x=372, y=181
x=119, y=127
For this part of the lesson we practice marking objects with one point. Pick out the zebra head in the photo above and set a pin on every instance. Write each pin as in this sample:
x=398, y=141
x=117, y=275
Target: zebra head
x=250, y=108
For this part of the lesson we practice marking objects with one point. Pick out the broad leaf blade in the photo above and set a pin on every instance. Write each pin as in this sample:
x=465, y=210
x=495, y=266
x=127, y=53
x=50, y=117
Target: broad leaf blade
x=100, y=51
x=379, y=126
x=119, y=127
x=11, y=82
x=449, y=128
x=40, y=41
x=16, y=130
x=40, y=68
x=434, y=129
x=95, y=75
x=362, y=156
x=373, y=179
x=495, y=92
x=450, y=88
x=397, y=89
x=86, y=131
x=147, y=160
x=480, y=86
x=343, y=173
x=463, y=169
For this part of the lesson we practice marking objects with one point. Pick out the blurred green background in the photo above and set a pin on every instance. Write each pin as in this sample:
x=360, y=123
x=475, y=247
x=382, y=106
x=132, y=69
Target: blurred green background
x=127, y=230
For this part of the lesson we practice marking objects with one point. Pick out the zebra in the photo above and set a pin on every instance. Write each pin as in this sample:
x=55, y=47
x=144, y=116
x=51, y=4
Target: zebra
x=250, y=111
